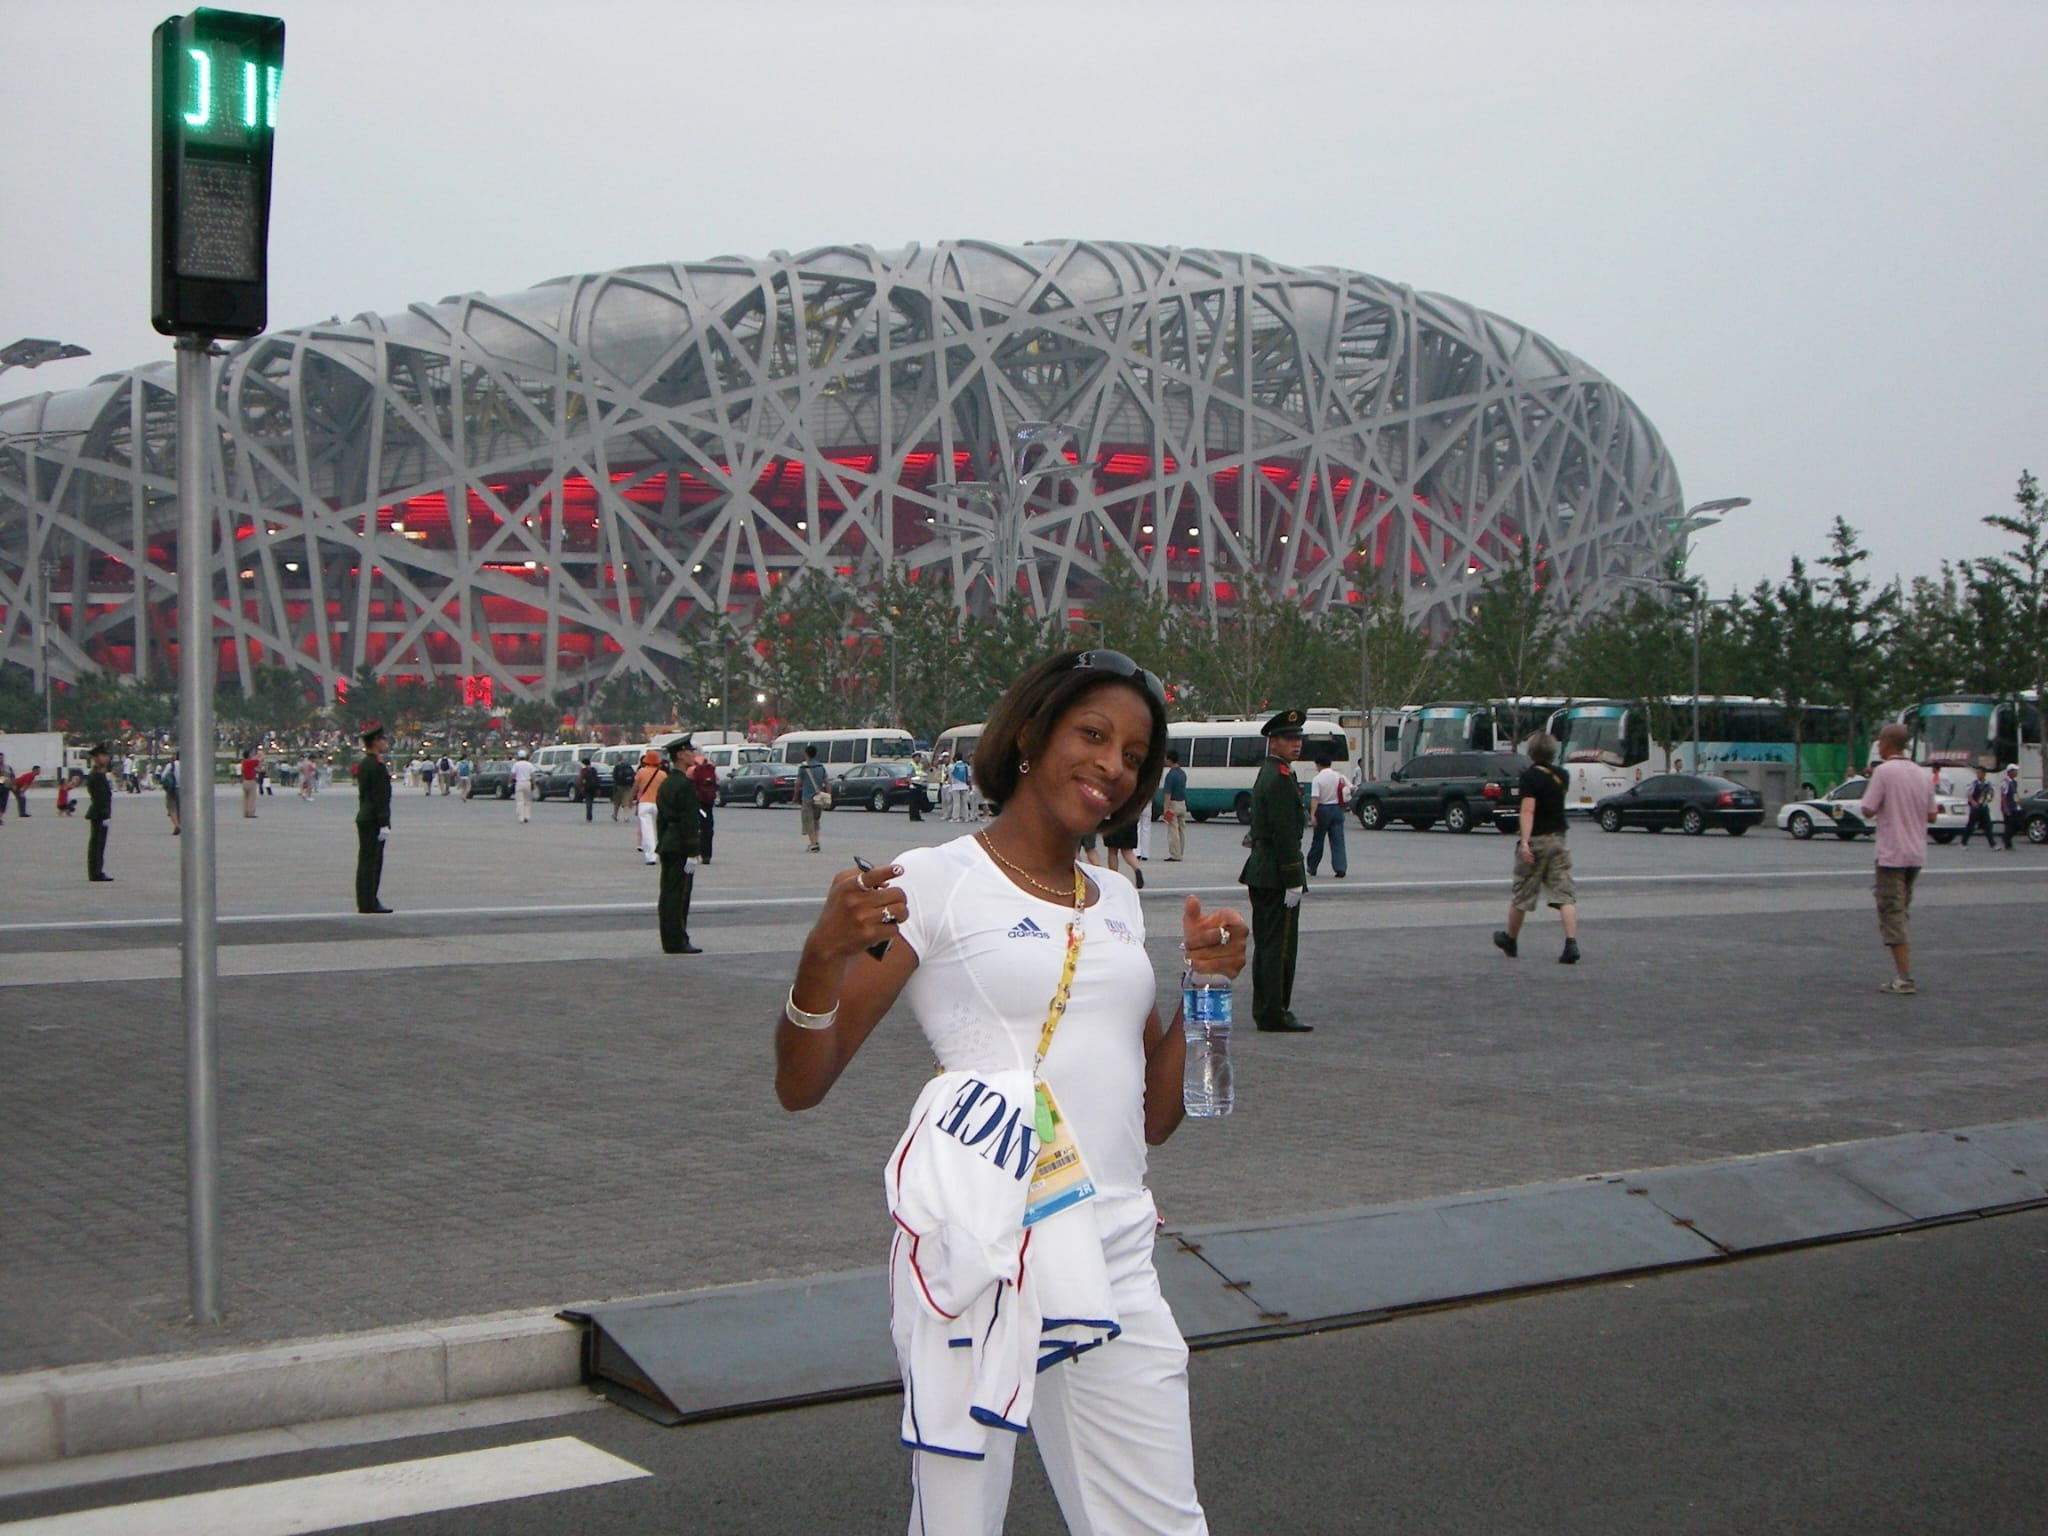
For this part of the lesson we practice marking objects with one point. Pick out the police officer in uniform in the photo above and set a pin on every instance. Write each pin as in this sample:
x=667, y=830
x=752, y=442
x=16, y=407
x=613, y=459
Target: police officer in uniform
x=373, y=820
x=1276, y=875
x=678, y=822
x=99, y=809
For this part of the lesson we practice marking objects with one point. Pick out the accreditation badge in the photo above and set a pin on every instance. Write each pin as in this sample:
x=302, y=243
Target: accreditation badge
x=1060, y=1177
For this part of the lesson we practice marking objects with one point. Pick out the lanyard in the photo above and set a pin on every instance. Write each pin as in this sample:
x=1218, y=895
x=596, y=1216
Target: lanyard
x=1058, y=1006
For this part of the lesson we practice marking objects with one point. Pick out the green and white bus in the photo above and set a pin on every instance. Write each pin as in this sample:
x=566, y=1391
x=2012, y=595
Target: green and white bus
x=1222, y=759
x=1605, y=745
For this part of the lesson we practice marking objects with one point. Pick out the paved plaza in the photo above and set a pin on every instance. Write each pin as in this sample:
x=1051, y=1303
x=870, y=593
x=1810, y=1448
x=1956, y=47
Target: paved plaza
x=503, y=1096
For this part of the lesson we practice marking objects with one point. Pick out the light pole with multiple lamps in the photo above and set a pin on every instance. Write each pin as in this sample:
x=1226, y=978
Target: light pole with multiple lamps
x=1009, y=503
x=48, y=573
x=33, y=352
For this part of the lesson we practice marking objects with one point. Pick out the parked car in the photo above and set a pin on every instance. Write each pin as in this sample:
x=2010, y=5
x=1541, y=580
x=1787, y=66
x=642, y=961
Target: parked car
x=1459, y=789
x=2034, y=817
x=1691, y=802
x=491, y=778
x=880, y=786
x=1840, y=811
x=557, y=768
x=761, y=784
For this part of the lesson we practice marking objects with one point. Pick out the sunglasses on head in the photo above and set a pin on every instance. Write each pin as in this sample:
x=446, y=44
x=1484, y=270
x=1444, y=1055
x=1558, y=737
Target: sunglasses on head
x=1117, y=664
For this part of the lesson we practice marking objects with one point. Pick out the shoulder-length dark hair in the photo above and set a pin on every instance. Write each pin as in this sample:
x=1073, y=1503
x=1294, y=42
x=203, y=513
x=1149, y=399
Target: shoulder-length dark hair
x=1024, y=717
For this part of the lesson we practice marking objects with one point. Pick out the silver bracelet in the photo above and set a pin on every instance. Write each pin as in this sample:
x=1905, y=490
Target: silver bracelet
x=803, y=1020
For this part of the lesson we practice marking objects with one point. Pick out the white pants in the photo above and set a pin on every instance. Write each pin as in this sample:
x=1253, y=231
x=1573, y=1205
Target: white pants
x=522, y=800
x=1111, y=1425
x=647, y=831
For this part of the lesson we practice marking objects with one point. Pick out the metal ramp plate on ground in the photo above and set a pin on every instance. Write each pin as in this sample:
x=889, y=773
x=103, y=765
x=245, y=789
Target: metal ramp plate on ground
x=1396, y=1257
x=738, y=1349
x=707, y=1354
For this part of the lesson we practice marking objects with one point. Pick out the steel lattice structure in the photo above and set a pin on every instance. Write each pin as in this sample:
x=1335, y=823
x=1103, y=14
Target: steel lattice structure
x=560, y=484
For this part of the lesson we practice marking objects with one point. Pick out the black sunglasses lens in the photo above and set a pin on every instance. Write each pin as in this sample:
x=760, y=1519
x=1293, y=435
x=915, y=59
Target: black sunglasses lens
x=1117, y=664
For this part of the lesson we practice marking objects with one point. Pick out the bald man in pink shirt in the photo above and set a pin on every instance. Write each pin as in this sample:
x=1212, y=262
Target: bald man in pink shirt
x=1899, y=801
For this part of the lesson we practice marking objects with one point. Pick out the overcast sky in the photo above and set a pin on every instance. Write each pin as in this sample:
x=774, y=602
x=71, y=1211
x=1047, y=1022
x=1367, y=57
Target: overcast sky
x=1808, y=238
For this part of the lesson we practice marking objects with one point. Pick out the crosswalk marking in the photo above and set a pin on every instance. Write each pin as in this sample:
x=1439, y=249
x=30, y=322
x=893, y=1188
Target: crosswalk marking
x=334, y=1499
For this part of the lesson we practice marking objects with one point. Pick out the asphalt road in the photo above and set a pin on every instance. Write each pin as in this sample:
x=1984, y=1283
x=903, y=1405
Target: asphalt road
x=1889, y=1387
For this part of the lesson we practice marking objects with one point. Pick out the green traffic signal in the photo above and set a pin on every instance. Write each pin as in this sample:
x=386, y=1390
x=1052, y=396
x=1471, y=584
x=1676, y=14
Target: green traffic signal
x=216, y=80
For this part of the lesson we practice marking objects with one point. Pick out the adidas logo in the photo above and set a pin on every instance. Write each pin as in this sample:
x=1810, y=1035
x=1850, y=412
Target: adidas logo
x=1028, y=930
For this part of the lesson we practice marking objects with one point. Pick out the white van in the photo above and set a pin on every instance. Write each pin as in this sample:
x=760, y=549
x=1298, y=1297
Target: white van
x=842, y=749
x=555, y=768
x=728, y=755
x=957, y=741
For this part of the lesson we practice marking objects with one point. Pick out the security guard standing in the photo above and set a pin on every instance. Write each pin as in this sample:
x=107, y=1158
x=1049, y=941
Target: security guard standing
x=1276, y=875
x=678, y=824
x=373, y=820
x=99, y=809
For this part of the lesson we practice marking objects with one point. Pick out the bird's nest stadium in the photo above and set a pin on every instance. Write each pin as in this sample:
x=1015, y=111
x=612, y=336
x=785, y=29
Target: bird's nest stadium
x=551, y=487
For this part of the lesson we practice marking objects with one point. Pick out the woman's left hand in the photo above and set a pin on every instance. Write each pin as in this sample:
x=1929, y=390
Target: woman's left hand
x=1213, y=941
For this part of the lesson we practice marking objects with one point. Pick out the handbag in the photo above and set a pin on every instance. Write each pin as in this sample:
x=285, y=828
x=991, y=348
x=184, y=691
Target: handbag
x=822, y=799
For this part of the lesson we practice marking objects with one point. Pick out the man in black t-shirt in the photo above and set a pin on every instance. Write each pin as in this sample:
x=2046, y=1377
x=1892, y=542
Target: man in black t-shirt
x=1543, y=864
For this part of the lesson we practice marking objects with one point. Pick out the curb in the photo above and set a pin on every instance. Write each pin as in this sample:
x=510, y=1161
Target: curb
x=88, y=1410
x=727, y=1349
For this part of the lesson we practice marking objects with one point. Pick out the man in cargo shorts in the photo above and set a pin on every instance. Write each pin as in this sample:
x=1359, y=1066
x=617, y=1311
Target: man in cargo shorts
x=1543, y=864
x=1899, y=802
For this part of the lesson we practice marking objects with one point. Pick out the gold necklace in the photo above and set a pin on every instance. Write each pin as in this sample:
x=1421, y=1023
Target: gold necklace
x=1023, y=874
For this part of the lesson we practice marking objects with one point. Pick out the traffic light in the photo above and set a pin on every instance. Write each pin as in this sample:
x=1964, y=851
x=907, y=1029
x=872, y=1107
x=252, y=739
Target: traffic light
x=215, y=80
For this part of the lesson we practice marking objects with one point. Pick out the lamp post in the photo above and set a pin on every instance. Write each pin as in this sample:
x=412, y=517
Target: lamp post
x=33, y=352
x=48, y=571
x=1703, y=515
x=1009, y=503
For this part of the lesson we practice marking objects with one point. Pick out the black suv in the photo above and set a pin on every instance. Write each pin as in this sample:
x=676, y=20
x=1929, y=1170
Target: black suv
x=1459, y=789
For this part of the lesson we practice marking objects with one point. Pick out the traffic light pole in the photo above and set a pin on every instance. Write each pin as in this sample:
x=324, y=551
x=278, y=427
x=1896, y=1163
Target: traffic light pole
x=196, y=888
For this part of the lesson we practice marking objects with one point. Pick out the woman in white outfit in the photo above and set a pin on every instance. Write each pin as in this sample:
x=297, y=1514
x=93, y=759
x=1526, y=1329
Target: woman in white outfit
x=987, y=929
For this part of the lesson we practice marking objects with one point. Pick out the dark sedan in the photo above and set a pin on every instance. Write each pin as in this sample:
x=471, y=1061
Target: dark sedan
x=880, y=786
x=1692, y=802
x=492, y=778
x=762, y=784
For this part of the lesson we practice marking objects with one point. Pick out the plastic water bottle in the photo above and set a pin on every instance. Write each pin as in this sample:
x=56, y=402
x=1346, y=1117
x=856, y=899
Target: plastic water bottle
x=1206, y=1088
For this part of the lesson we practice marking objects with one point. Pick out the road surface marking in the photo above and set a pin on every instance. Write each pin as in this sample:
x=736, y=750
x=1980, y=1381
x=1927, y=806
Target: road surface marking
x=332, y=1500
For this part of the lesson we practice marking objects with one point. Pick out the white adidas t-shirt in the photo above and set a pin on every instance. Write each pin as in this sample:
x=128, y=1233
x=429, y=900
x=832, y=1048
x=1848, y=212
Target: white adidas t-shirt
x=989, y=957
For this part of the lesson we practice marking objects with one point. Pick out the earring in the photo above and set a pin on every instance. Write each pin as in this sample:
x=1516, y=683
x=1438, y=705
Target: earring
x=1024, y=765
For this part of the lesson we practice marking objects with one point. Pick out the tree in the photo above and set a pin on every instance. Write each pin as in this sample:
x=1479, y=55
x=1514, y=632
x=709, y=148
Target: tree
x=2023, y=578
x=280, y=701
x=1259, y=656
x=1508, y=647
x=21, y=703
x=815, y=672
x=1852, y=625
x=1782, y=636
x=1637, y=649
x=633, y=701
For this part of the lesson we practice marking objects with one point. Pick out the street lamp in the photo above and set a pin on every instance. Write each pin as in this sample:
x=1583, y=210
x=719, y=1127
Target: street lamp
x=33, y=352
x=49, y=573
x=1705, y=515
x=1009, y=502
